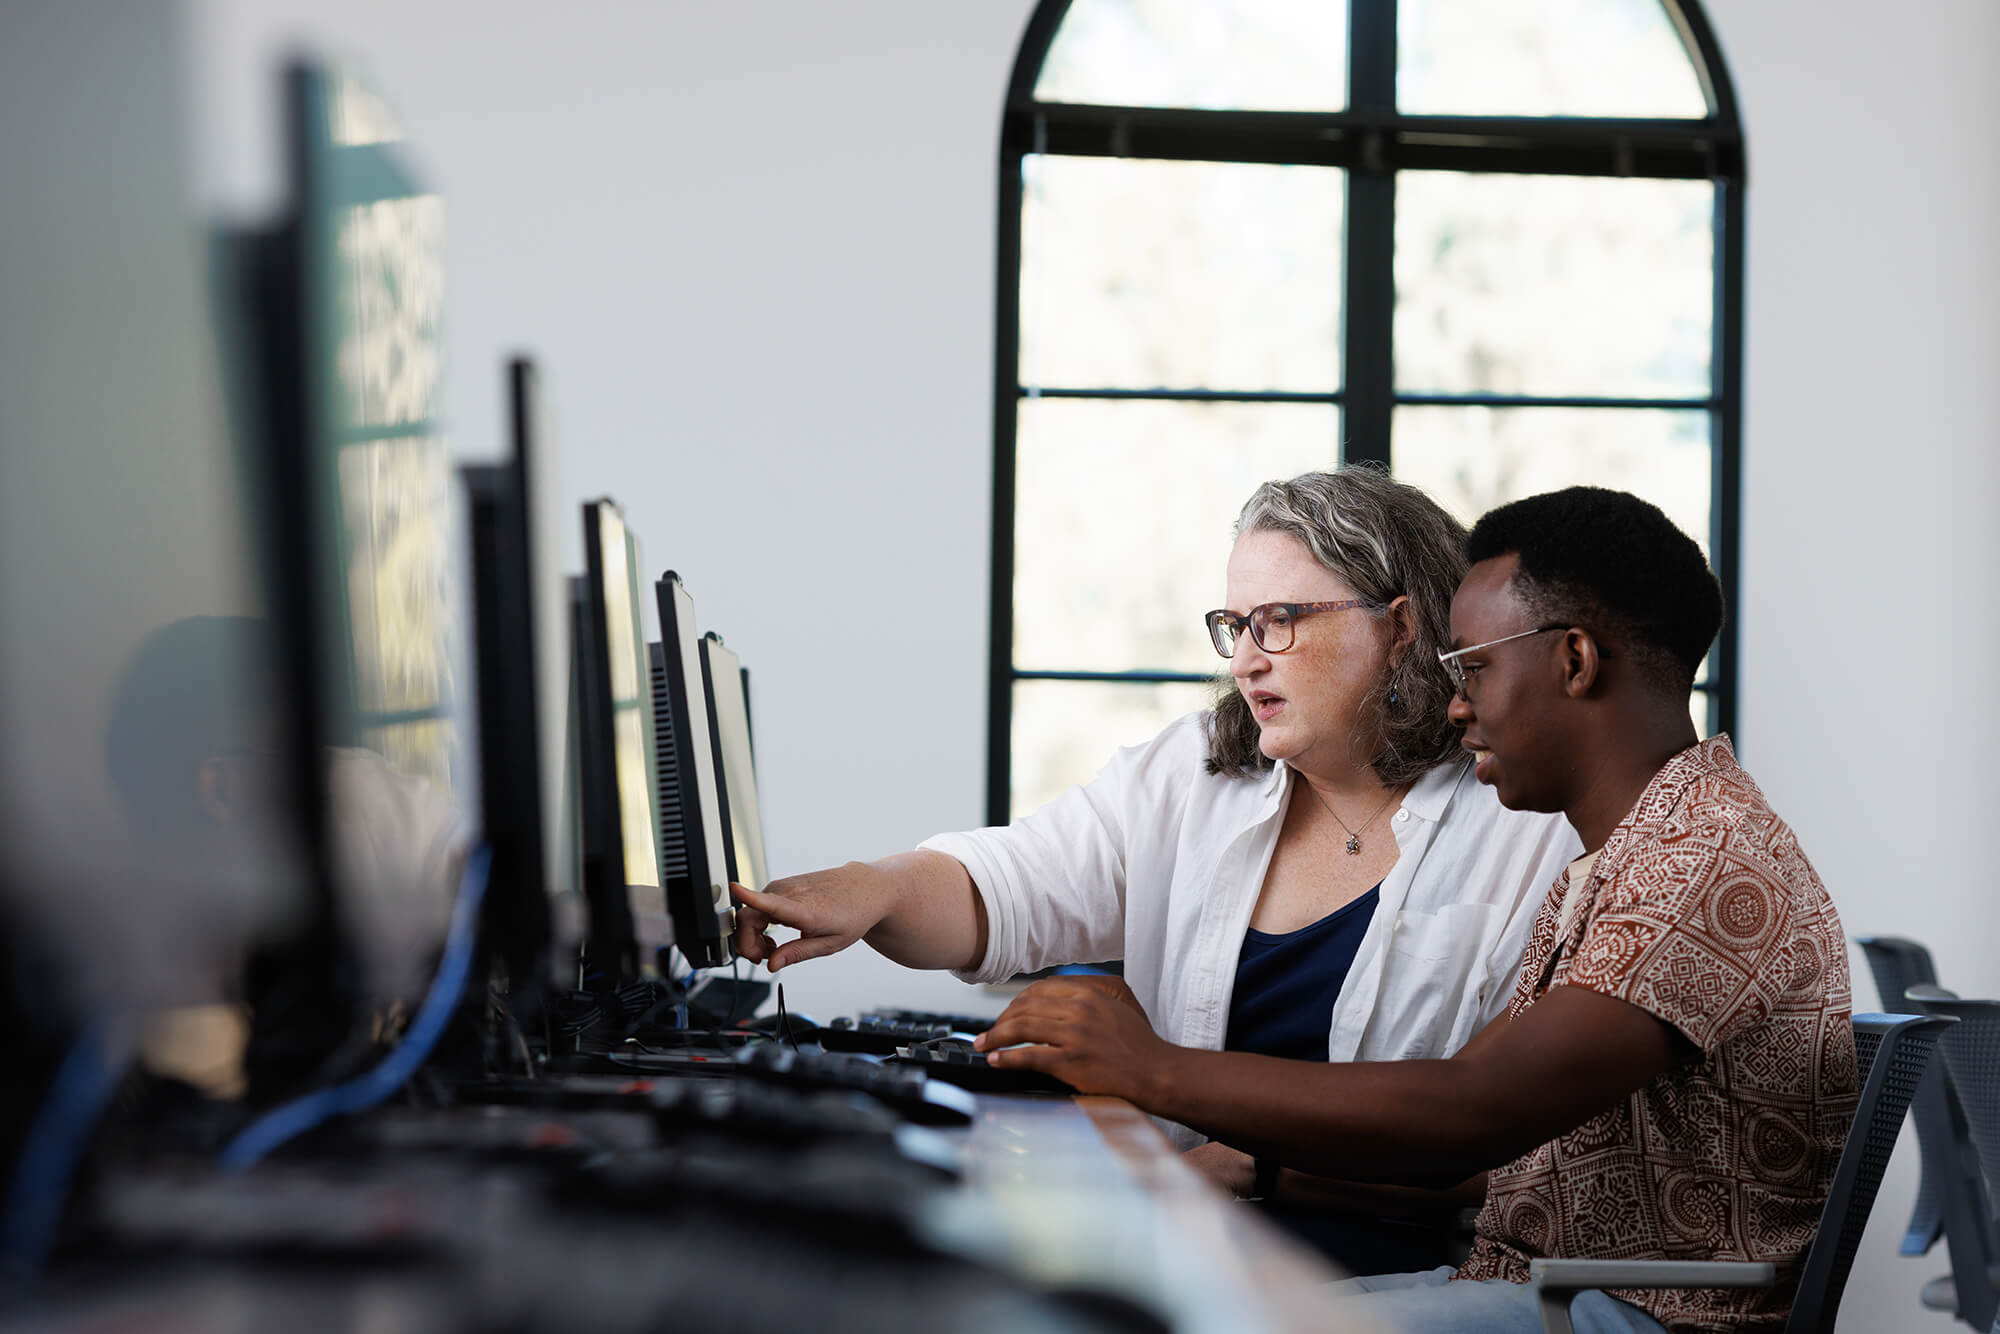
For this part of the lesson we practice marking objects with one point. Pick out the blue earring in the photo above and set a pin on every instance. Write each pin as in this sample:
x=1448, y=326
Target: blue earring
x=1395, y=700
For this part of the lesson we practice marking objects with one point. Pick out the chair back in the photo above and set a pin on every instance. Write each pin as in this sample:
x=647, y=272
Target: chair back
x=1899, y=964
x=1963, y=1194
x=1891, y=1051
x=1972, y=1058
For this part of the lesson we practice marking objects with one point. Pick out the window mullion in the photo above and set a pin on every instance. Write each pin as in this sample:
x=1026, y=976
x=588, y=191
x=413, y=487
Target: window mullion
x=1371, y=57
x=1726, y=440
x=1368, y=379
x=1367, y=339
x=1000, y=590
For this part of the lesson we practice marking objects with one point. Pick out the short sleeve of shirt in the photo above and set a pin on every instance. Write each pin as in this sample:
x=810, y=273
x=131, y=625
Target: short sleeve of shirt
x=1695, y=928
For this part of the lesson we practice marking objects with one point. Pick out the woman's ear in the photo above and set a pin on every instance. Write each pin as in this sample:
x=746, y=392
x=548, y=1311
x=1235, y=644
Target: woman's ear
x=1402, y=628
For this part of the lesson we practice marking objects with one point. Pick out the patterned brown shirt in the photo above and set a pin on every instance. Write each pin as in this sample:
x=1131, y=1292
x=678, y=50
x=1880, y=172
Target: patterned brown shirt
x=1702, y=911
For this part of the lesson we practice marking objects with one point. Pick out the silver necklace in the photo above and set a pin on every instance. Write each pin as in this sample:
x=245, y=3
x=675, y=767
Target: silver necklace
x=1353, y=833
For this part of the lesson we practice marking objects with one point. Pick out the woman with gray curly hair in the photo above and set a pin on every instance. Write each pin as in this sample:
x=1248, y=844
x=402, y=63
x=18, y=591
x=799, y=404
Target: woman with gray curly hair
x=1306, y=870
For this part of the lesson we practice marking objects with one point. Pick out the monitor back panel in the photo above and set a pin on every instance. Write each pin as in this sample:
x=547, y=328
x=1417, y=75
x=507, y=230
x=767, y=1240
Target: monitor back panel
x=694, y=860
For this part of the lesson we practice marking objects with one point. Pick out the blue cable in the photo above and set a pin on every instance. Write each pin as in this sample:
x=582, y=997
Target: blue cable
x=55, y=1144
x=302, y=1114
x=682, y=1010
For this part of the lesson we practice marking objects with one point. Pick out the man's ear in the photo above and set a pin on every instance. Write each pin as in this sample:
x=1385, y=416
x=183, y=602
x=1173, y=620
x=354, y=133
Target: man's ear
x=1581, y=662
x=215, y=788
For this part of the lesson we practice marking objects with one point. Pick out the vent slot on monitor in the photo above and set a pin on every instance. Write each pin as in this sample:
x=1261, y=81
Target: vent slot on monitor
x=674, y=864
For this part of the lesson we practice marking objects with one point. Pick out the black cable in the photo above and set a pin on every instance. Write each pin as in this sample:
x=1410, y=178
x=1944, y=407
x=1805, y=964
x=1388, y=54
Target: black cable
x=735, y=991
x=784, y=1020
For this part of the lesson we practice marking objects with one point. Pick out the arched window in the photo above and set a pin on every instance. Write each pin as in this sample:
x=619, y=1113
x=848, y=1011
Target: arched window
x=1498, y=247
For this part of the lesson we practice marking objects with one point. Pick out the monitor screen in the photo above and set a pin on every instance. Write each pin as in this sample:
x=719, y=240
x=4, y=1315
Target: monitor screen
x=694, y=851
x=372, y=511
x=728, y=684
x=620, y=856
x=371, y=258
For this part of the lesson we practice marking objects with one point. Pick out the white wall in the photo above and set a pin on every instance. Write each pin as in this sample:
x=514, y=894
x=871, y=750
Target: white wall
x=753, y=244
x=1869, y=481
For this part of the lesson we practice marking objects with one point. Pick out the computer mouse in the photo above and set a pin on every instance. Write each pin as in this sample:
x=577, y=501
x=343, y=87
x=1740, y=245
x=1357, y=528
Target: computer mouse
x=950, y=1042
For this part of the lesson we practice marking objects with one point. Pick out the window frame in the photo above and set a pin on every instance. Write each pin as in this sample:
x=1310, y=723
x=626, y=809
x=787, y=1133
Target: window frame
x=1372, y=141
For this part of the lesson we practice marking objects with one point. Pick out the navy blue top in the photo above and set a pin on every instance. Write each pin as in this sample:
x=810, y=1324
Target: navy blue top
x=1286, y=984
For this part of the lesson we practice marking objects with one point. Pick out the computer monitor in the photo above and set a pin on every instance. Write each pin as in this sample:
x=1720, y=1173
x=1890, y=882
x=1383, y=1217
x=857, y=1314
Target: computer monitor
x=694, y=852
x=727, y=684
x=370, y=525
x=137, y=639
x=521, y=629
x=621, y=860
x=340, y=354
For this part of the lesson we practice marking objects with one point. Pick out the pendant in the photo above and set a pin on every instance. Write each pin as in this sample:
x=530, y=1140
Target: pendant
x=1354, y=845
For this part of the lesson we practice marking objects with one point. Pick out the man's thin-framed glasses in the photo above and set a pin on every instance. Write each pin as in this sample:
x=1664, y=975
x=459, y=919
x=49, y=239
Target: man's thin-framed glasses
x=1272, y=625
x=1460, y=673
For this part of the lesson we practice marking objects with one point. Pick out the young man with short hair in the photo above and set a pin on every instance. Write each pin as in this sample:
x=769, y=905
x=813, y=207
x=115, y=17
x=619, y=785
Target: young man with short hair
x=1675, y=1075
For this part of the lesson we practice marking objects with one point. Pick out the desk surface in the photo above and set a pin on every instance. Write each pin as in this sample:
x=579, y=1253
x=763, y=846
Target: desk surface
x=1081, y=1193
x=1087, y=1190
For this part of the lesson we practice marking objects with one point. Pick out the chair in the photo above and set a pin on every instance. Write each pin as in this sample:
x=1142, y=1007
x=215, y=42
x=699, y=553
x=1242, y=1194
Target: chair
x=1899, y=964
x=1892, y=1051
x=1972, y=1060
x=1972, y=1056
x=1965, y=1195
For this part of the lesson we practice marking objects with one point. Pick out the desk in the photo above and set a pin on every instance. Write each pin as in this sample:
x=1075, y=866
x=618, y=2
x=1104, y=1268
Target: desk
x=1063, y=1193
x=1088, y=1191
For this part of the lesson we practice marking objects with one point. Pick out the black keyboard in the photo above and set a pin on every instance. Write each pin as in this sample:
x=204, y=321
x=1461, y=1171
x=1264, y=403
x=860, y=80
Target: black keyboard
x=746, y=1109
x=770, y=1113
x=878, y=1037
x=969, y=1069
x=905, y=1090
x=957, y=1023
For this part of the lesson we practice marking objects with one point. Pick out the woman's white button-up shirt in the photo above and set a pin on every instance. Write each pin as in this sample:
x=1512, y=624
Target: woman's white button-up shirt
x=1159, y=863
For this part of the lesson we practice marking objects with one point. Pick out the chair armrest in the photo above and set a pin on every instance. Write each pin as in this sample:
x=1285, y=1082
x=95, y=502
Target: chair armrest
x=1577, y=1275
x=1557, y=1281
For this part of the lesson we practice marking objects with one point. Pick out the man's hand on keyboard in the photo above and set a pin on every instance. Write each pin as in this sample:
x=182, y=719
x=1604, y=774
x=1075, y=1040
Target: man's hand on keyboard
x=1089, y=1032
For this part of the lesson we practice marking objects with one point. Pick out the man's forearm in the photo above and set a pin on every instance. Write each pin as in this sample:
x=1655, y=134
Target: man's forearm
x=1573, y=1054
x=1415, y=1123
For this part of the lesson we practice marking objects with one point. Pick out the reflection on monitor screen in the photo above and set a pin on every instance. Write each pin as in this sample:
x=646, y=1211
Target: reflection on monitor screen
x=371, y=247
x=729, y=707
x=631, y=724
x=621, y=861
